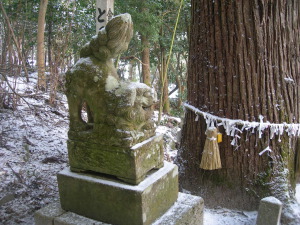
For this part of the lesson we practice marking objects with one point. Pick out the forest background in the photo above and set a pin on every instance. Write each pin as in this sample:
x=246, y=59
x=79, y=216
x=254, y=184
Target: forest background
x=71, y=24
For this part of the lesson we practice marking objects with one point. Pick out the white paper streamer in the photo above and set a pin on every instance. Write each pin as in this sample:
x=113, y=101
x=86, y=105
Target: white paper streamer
x=267, y=149
x=231, y=128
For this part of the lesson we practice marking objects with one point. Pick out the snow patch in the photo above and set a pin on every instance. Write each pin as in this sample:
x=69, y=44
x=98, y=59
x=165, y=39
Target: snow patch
x=289, y=80
x=126, y=17
x=138, y=145
x=82, y=61
x=272, y=200
x=144, y=217
x=175, y=173
x=223, y=216
x=298, y=193
x=111, y=83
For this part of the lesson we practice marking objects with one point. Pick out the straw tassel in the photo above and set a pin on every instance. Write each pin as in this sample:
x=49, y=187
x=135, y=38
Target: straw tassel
x=211, y=154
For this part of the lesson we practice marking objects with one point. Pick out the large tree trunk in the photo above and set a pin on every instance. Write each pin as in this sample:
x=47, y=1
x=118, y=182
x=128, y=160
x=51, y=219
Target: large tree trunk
x=244, y=62
x=40, y=45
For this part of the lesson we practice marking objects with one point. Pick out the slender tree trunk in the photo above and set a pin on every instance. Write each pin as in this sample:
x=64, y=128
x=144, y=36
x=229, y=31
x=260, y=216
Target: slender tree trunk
x=244, y=62
x=4, y=47
x=10, y=50
x=131, y=70
x=179, y=80
x=50, y=42
x=165, y=85
x=179, y=85
x=32, y=55
x=40, y=46
x=164, y=104
x=146, y=60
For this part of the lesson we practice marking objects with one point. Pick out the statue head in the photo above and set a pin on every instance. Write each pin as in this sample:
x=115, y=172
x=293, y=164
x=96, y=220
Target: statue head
x=111, y=40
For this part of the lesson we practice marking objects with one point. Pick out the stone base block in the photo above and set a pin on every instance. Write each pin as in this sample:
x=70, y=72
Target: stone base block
x=130, y=164
x=269, y=211
x=187, y=210
x=46, y=215
x=109, y=201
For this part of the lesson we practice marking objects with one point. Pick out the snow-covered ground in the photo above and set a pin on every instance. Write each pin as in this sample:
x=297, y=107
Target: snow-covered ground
x=33, y=149
x=222, y=216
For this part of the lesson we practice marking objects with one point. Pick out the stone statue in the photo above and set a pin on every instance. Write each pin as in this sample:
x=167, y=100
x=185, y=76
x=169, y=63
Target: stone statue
x=117, y=172
x=116, y=109
x=118, y=137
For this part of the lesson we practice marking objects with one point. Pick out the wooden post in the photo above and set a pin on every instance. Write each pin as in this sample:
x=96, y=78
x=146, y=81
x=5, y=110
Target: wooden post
x=104, y=12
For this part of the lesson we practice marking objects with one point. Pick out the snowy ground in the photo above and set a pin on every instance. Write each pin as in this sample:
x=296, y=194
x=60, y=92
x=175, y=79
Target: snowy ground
x=33, y=149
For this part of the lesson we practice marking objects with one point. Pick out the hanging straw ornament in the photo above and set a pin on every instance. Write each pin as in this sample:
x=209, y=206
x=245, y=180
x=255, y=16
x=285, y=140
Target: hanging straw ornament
x=211, y=155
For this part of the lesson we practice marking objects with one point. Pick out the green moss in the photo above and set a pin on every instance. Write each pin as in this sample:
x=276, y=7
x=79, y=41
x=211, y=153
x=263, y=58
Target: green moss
x=288, y=159
x=128, y=164
x=261, y=184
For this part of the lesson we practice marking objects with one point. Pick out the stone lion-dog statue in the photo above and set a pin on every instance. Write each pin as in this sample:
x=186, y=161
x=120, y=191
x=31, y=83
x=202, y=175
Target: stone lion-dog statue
x=119, y=112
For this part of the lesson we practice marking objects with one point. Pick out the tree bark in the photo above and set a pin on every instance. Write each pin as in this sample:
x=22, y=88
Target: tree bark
x=40, y=45
x=4, y=45
x=241, y=54
x=165, y=85
x=131, y=70
x=50, y=40
x=146, y=60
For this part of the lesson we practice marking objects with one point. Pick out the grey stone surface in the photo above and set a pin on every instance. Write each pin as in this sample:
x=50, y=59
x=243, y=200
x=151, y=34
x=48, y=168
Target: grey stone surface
x=115, y=202
x=128, y=164
x=187, y=210
x=269, y=211
x=70, y=218
x=46, y=215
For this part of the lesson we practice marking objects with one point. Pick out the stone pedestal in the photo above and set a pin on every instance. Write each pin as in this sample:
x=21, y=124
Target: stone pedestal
x=111, y=201
x=130, y=164
x=187, y=210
